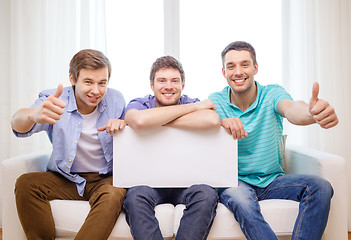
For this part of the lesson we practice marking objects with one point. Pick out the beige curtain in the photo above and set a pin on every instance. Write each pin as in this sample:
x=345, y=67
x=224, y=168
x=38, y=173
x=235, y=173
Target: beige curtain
x=38, y=39
x=316, y=47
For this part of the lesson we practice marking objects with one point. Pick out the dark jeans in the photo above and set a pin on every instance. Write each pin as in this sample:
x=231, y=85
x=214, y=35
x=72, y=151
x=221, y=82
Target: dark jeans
x=200, y=209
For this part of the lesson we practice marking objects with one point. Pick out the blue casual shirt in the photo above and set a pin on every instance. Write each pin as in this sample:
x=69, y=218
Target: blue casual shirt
x=259, y=153
x=149, y=102
x=65, y=133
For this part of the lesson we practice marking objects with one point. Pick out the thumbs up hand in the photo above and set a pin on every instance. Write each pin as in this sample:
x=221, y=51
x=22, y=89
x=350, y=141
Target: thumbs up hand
x=321, y=111
x=50, y=110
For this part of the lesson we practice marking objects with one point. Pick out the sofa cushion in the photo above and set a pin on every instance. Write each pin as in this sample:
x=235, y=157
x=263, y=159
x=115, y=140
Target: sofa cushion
x=69, y=216
x=280, y=214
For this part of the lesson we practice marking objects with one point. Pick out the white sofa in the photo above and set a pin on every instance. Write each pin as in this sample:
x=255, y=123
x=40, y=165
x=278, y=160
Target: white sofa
x=280, y=214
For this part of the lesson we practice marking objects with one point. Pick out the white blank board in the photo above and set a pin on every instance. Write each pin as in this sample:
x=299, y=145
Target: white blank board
x=171, y=157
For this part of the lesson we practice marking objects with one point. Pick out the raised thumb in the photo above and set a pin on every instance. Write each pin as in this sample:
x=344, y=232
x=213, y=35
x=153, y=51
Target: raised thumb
x=315, y=92
x=58, y=92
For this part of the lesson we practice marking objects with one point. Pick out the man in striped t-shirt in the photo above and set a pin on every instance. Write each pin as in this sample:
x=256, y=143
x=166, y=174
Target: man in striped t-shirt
x=254, y=114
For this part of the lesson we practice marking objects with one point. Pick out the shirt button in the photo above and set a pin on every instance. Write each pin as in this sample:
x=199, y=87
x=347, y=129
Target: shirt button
x=70, y=160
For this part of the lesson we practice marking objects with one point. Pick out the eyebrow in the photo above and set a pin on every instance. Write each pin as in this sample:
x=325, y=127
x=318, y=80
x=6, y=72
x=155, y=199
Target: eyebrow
x=159, y=78
x=90, y=79
x=244, y=61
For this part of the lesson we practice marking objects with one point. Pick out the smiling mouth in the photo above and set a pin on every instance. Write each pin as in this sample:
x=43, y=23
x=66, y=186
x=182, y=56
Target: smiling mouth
x=93, y=99
x=240, y=80
x=168, y=94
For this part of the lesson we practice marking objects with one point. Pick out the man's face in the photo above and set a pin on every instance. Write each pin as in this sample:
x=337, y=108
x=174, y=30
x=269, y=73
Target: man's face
x=90, y=88
x=167, y=87
x=239, y=70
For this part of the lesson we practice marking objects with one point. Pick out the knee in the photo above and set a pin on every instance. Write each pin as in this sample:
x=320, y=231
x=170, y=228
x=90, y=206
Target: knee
x=323, y=188
x=203, y=193
x=236, y=197
x=137, y=196
x=117, y=195
x=23, y=185
x=110, y=195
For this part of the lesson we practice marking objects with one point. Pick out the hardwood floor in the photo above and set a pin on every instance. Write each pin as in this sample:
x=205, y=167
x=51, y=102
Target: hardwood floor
x=1, y=234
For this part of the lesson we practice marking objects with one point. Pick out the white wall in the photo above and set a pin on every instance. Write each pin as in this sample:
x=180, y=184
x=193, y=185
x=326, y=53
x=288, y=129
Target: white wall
x=5, y=79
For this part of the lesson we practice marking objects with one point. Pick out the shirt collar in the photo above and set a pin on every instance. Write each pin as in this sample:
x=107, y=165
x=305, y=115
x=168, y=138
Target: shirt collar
x=254, y=105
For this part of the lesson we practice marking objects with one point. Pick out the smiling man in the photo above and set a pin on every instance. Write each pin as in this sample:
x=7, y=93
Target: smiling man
x=79, y=121
x=253, y=114
x=168, y=107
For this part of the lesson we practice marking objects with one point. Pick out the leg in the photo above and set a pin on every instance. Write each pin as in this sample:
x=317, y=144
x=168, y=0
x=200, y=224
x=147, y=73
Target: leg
x=243, y=202
x=201, y=203
x=140, y=214
x=313, y=193
x=106, y=203
x=33, y=192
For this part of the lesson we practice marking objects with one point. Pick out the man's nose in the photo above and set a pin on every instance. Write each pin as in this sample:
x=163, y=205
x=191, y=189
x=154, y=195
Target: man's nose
x=168, y=84
x=95, y=88
x=238, y=71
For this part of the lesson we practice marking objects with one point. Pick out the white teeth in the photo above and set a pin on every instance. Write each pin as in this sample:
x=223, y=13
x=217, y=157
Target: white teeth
x=94, y=98
x=239, y=81
x=168, y=94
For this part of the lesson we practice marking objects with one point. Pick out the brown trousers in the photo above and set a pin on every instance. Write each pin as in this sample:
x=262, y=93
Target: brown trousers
x=34, y=191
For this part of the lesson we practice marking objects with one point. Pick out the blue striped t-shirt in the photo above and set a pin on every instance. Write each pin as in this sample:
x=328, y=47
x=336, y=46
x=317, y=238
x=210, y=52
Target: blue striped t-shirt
x=258, y=153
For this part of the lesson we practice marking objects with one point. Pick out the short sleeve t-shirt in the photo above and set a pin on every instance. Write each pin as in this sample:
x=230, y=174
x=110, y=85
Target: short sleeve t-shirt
x=259, y=153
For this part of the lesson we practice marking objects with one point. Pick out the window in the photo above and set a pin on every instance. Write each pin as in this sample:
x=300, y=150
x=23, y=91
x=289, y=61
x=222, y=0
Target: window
x=135, y=38
x=207, y=27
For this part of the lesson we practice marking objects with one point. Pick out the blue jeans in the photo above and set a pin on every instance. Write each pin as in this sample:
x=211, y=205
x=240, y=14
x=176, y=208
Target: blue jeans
x=313, y=193
x=200, y=209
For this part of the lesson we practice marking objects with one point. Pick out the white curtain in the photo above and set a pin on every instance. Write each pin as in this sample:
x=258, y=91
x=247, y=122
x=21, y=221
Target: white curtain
x=316, y=47
x=40, y=37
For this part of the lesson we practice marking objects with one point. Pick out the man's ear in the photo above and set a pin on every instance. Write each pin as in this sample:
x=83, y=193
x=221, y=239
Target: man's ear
x=223, y=72
x=256, y=68
x=152, y=85
x=71, y=79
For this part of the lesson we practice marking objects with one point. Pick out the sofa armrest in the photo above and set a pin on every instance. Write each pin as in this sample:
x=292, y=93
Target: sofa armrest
x=302, y=160
x=12, y=168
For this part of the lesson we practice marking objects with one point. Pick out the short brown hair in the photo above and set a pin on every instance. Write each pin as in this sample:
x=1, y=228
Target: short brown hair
x=88, y=59
x=240, y=46
x=166, y=62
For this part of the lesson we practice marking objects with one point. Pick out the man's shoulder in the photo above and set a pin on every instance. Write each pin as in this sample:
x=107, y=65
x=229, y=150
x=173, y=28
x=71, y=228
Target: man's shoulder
x=67, y=91
x=143, y=100
x=219, y=95
x=273, y=90
x=185, y=99
x=141, y=103
x=113, y=93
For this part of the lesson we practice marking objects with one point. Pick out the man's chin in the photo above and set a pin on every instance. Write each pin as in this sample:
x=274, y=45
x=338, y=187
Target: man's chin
x=168, y=102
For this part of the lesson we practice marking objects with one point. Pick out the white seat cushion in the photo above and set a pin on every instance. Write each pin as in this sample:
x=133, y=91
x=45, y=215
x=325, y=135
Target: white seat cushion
x=280, y=214
x=69, y=216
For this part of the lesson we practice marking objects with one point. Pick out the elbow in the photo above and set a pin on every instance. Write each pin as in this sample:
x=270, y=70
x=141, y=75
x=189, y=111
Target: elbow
x=215, y=121
x=137, y=124
x=212, y=121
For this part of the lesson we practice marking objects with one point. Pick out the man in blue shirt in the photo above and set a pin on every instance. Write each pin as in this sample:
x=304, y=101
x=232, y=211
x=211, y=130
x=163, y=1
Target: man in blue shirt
x=168, y=107
x=79, y=121
x=254, y=114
